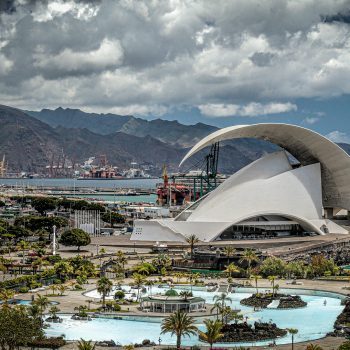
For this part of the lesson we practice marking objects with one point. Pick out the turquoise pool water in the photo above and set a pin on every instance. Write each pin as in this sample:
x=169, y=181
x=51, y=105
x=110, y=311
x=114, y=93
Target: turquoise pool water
x=313, y=321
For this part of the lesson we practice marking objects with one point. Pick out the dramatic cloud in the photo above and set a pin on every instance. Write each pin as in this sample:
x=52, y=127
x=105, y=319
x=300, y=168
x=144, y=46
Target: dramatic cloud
x=227, y=58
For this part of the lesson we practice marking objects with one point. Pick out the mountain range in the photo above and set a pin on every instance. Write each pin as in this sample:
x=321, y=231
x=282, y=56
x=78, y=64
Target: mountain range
x=32, y=141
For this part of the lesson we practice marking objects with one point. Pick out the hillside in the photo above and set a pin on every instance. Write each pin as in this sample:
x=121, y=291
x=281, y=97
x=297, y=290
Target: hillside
x=171, y=132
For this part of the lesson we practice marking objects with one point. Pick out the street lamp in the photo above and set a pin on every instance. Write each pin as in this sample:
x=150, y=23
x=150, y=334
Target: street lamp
x=54, y=240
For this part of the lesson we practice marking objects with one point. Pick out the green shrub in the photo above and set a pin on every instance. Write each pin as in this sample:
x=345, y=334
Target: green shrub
x=119, y=294
x=23, y=290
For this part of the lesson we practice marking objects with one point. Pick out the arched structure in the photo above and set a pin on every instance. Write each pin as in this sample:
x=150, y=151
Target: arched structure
x=307, y=146
x=267, y=198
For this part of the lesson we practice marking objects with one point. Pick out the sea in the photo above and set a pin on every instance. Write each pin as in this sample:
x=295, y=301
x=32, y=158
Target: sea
x=57, y=185
x=93, y=184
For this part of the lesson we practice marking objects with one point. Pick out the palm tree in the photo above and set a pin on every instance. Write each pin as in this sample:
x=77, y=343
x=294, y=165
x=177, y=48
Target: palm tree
x=150, y=284
x=256, y=278
x=248, y=256
x=6, y=295
x=180, y=324
x=272, y=280
x=292, y=331
x=86, y=345
x=104, y=287
x=231, y=269
x=222, y=299
x=185, y=294
x=62, y=288
x=42, y=302
x=213, y=332
x=121, y=258
x=53, y=311
x=139, y=280
x=313, y=347
x=192, y=240
x=229, y=251
x=23, y=246
x=53, y=287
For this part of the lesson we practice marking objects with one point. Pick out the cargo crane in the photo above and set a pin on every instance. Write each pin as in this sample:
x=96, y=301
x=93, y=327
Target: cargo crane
x=193, y=184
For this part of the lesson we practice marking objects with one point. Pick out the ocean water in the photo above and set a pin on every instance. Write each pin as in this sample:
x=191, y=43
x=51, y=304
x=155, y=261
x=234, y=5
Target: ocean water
x=67, y=183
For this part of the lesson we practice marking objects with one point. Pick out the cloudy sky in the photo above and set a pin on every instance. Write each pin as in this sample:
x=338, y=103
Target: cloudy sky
x=218, y=62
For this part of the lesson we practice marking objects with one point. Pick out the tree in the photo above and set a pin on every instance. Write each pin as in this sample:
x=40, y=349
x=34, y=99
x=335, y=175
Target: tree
x=104, y=287
x=249, y=256
x=53, y=311
x=75, y=237
x=273, y=266
x=150, y=284
x=344, y=346
x=42, y=303
x=179, y=324
x=256, y=278
x=229, y=251
x=139, y=280
x=86, y=345
x=222, y=298
x=113, y=218
x=272, y=280
x=192, y=240
x=293, y=332
x=145, y=268
x=62, y=288
x=43, y=204
x=317, y=347
x=231, y=269
x=23, y=246
x=17, y=328
x=6, y=295
x=63, y=269
x=185, y=294
x=212, y=333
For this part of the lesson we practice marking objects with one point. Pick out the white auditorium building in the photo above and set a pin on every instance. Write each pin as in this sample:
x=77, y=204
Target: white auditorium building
x=269, y=197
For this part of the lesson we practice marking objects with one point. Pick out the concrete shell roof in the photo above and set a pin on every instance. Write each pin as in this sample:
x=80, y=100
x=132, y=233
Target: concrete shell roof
x=305, y=145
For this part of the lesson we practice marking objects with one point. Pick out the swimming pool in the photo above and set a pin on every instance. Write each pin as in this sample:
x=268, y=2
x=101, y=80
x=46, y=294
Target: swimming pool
x=313, y=322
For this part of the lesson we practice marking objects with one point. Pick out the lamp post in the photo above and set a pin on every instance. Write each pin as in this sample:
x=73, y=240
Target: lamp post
x=54, y=240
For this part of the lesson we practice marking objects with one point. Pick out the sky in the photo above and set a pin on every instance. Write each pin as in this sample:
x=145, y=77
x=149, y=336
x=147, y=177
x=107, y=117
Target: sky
x=222, y=62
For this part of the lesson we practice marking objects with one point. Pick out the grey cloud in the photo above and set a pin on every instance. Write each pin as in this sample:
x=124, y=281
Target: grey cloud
x=167, y=53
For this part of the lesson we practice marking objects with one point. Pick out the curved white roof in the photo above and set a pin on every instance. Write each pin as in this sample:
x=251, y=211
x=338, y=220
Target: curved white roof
x=305, y=145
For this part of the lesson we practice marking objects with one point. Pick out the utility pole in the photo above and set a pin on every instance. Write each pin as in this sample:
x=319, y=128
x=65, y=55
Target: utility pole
x=54, y=240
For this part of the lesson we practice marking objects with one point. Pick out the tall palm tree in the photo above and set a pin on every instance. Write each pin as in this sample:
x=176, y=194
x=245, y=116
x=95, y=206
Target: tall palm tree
x=212, y=333
x=231, y=269
x=180, y=324
x=150, y=284
x=249, y=256
x=229, y=251
x=121, y=258
x=293, y=332
x=23, y=246
x=139, y=280
x=43, y=303
x=104, y=287
x=86, y=345
x=272, y=280
x=256, y=278
x=222, y=299
x=192, y=240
